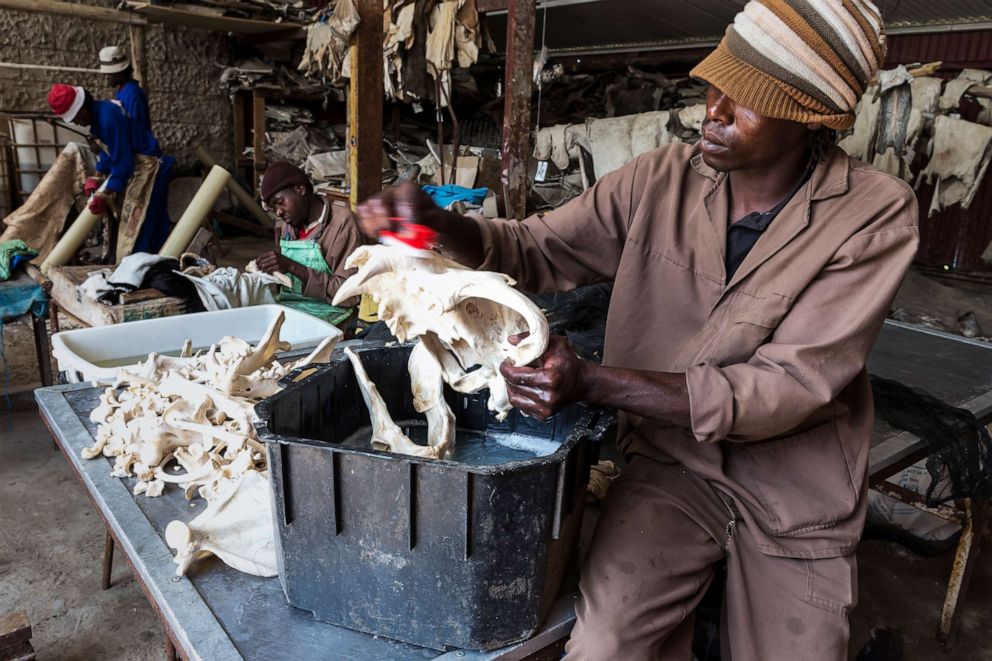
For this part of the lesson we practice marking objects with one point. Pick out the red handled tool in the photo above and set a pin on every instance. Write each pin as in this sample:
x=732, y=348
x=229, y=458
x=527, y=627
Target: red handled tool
x=413, y=238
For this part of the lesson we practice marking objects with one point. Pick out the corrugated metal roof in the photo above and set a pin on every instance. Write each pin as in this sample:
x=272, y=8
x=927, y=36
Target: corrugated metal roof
x=909, y=13
x=656, y=24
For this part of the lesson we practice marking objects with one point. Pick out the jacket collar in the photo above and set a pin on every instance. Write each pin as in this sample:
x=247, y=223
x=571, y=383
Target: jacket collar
x=830, y=179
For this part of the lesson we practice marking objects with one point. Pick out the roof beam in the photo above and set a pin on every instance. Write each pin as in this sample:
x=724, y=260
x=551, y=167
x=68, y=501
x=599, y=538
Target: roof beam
x=502, y=6
x=73, y=9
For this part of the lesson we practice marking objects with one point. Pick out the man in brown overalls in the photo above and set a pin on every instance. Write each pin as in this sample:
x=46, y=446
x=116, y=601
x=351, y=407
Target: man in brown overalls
x=752, y=274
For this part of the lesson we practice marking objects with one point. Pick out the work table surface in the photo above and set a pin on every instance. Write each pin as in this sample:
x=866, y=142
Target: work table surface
x=218, y=613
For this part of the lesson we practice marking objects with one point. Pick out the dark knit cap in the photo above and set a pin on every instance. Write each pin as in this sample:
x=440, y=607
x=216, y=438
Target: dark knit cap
x=279, y=176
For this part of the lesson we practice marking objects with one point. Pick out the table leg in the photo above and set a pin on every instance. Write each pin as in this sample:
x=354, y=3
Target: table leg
x=170, y=650
x=43, y=350
x=108, y=561
x=976, y=520
x=53, y=316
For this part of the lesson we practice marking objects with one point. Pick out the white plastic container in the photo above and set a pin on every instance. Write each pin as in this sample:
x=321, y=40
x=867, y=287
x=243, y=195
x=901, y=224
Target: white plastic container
x=96, y=354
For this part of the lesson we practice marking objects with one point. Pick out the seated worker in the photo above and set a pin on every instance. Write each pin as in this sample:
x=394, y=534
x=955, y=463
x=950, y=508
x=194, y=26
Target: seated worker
x=753, y=271
x=129, y=157
x=116, y=65
x=314, y=235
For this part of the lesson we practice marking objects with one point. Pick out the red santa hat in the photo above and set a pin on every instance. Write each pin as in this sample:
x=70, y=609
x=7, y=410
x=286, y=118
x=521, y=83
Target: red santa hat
x=66, y=100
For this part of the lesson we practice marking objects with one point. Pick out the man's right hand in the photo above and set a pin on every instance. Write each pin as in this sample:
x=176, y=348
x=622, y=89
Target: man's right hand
x=406, y=202
x=98, y=205
x=91, y=185
x=461, y=240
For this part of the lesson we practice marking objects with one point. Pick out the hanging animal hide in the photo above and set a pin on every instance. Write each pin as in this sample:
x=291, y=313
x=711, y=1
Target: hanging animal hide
x=961, y=152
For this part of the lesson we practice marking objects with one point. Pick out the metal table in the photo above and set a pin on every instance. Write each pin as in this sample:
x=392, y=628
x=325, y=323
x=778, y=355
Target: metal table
x=218, y=613
x=215, y=612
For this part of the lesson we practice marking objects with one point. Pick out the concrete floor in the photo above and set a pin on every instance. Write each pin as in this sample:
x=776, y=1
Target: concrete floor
x=52, y=543
x=50, y=557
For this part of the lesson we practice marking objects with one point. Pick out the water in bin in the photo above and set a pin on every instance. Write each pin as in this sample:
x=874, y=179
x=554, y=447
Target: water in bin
x=475, y=448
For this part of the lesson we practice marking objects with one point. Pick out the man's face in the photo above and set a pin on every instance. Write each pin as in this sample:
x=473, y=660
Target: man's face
x=738, y=138
x=117, y=79
x=291, y=205
x=83, y=118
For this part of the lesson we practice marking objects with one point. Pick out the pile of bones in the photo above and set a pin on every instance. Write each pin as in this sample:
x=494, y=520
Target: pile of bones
x=195, y=414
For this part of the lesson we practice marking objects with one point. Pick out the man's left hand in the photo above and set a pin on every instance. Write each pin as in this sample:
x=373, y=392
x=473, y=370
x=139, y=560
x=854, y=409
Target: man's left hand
x=554, y=380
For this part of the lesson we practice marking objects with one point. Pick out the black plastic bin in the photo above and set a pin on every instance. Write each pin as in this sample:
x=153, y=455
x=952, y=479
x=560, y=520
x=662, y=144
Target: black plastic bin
x=436, y=553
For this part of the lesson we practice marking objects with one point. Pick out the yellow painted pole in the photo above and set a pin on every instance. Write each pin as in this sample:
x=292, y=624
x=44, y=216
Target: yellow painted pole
x=71, y=240
x=198, y=208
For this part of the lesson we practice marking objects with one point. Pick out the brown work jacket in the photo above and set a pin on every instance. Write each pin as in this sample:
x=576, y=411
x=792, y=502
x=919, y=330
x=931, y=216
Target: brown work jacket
x=774, y=359
x=338, y=236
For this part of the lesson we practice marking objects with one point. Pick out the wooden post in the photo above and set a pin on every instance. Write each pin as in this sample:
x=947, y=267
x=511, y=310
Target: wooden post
x=238, y=103
x=138, y=62
x=516, y=113
x=365, y=104
x=258, y=137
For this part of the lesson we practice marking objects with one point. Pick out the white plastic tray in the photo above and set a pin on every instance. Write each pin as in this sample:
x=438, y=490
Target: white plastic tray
x=96, y=354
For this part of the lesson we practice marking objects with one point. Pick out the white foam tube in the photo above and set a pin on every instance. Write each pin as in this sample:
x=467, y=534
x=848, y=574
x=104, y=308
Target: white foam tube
x=74, y=237
x=198, y=208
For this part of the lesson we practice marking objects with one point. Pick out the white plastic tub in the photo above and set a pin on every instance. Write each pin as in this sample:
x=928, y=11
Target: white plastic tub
x=96, y=354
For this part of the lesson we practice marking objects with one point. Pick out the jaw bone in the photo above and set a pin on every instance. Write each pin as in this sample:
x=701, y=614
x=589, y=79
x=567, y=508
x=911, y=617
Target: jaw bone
x=265, y=382
x=386, y=434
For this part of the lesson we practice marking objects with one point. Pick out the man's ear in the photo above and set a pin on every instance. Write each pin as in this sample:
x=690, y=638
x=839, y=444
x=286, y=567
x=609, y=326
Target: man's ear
x=301, y=190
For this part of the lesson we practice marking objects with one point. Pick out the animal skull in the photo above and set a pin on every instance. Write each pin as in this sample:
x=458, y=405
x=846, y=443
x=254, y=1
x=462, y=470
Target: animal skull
x=467, y=316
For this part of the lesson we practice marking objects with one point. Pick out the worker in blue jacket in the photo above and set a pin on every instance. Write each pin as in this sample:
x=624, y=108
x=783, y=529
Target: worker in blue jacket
x=116, y=65
x=132, y=164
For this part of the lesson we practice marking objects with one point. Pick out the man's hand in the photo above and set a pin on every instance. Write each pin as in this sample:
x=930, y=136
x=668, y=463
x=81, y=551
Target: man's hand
x=406, y=202
x=91, y=185
x=458, y=239
x=98, y=204
x=556, y=379
x=272, y=262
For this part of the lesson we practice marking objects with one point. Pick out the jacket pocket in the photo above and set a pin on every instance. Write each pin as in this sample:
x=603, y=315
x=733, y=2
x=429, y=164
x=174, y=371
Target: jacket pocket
x=748, y=325
x=802, y=482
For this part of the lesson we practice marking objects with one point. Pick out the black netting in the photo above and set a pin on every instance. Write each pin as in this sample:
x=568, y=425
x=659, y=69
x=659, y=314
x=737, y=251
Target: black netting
x=377, y=332
x=580, y=315
x=959, y=449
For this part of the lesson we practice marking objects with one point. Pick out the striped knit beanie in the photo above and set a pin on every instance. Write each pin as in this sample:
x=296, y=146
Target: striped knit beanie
x=800, y=60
